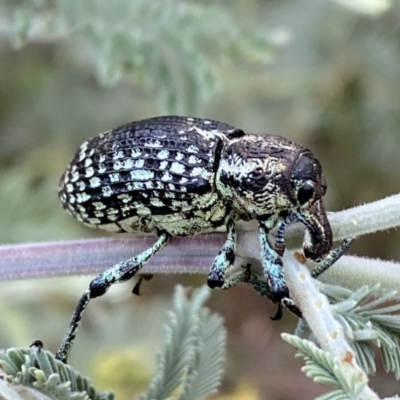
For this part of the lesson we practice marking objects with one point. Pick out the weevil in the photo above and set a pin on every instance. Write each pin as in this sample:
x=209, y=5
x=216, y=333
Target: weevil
x=180, y=176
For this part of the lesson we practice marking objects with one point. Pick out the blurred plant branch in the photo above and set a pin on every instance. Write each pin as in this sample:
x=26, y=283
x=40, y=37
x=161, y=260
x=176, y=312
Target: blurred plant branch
x=166, y=48
x=370, y=7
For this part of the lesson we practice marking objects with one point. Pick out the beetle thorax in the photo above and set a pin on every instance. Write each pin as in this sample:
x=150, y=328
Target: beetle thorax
x=254, y=178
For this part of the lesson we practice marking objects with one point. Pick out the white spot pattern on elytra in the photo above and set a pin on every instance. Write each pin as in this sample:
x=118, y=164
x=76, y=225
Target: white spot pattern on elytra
x=163, y=164
x=82, y=151
x=139, y=163
x=192, y=149
x=131, y=186
x=149, y=185
x=94, y=182
x=177, y=203
x=82, y=197
x=117, y=165
x=154, y=143
x=107, y=191
x=163, y=154
x=197, y=171
x=166, y=176
x=90, y=152
x=141, y=174
x=156, y=203
x=75, y=176
x=89, y=172
x=115, y=178
x=126, y=198
x=144, y=211
x=177, y=168
x=194, y=160
x=80, y=185
x=128, y=163
x=98, y=205
x=172, y=164
x=135, y=153
x=126, y=208
x=118, y=154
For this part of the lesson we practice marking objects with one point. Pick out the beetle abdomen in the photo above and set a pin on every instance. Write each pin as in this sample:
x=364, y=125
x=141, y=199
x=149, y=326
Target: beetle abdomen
x=148, y=168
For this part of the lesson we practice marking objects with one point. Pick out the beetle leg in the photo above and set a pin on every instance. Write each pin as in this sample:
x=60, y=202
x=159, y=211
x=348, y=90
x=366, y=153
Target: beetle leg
x=224, y=259
x=272, y=266
x=291, y=306
x=138, y=284
x=280, y=234
x=119, y=273
x=234, y=280
x=331, y=258
x=262, y=288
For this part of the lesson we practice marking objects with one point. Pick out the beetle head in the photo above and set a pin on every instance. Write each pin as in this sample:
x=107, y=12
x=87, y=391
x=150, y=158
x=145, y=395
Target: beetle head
x=309, y=186
x=269, y=178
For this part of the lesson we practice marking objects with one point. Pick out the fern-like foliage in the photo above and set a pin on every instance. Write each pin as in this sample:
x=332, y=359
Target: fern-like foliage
x=189, y=366
x=323, y=368
x=38, y=369
x=167, y=48
x=190, y=362
x=369, y=321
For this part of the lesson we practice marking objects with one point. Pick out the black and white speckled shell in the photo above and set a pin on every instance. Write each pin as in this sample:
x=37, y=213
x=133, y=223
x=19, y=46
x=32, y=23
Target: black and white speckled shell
x=155, y=174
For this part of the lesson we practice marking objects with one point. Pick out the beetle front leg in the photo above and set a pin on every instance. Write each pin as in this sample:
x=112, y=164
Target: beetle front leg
x=262, y=288
x=331, y=258
x=119, y=273
x=280, y=234
x=272, y=266
x=224, y=259
x=247, y=276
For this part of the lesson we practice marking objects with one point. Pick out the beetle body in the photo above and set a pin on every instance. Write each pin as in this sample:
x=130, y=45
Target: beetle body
x=179, y=176
x=184, y=176
x=154, y=175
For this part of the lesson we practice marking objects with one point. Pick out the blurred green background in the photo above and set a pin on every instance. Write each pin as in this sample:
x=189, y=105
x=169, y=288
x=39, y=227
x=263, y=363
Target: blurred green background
x=320, y=73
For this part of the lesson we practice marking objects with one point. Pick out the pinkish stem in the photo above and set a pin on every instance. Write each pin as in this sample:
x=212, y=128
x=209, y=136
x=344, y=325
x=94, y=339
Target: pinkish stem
x=91, y=256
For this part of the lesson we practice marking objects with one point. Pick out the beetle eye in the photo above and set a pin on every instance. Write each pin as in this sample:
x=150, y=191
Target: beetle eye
x=305, y=193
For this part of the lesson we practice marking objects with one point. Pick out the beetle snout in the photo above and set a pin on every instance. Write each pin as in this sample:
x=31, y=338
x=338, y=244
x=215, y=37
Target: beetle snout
x=317, y=251
x=318, y=237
